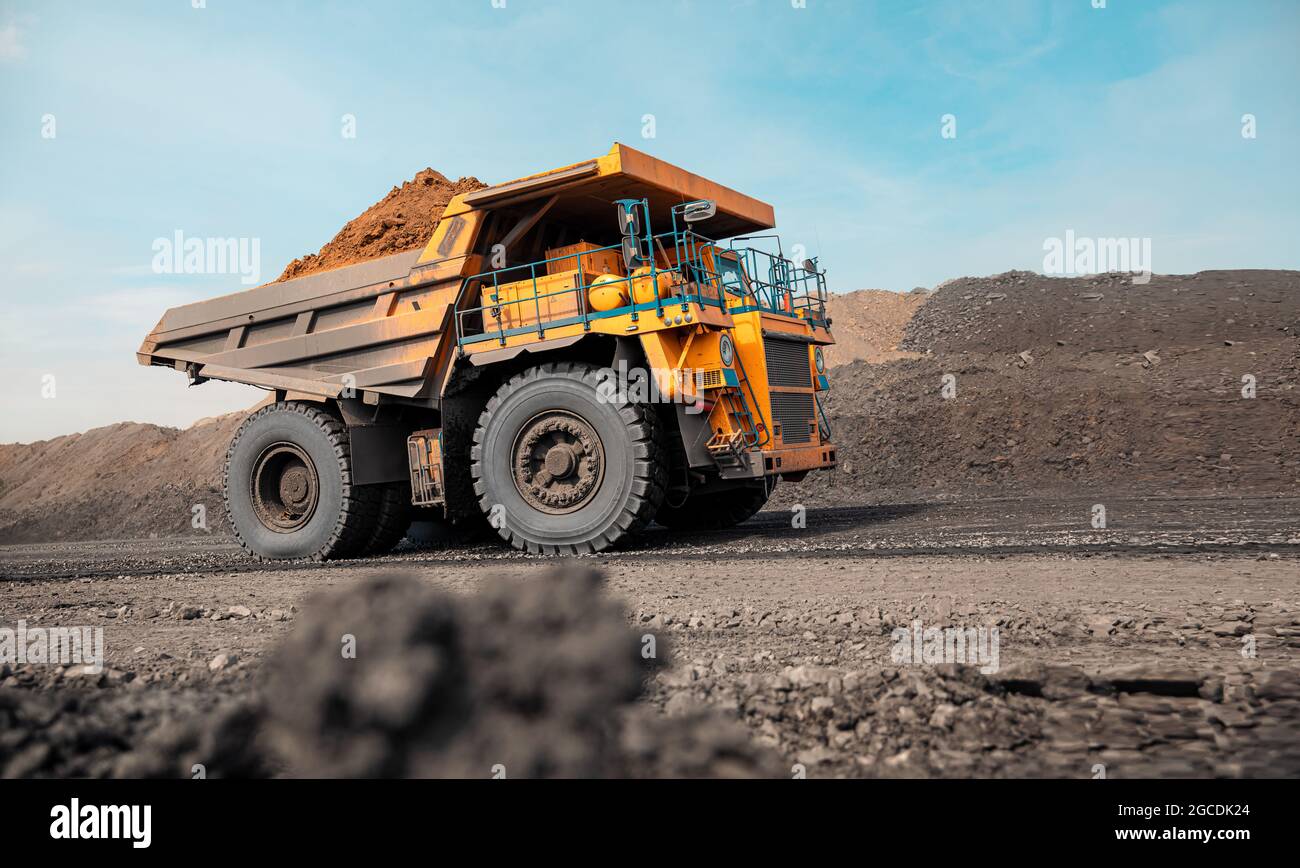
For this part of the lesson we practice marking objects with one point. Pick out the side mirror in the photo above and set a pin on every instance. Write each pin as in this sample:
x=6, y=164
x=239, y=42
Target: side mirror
x=631, y=252
x=629, y=219
x=701, y=209
x=810, y=266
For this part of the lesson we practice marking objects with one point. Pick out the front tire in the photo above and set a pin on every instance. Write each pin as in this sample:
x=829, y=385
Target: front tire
x=288, y=486
x=561, y=465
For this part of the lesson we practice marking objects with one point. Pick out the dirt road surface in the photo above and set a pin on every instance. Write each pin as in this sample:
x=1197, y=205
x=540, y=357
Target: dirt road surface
x=1167, y=642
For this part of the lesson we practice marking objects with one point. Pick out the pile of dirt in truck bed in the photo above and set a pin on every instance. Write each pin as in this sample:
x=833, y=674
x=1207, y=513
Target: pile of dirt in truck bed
x=519, y=680
x=402, y=220
x=1188, y=383
x=868, y=324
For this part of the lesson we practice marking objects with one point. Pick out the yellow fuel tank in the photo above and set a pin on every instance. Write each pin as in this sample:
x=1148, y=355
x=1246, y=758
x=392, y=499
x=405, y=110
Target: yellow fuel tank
x=643, y=285
x=609, y=291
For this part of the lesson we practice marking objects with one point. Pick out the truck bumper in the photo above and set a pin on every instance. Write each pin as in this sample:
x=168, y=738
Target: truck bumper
x=788, y=462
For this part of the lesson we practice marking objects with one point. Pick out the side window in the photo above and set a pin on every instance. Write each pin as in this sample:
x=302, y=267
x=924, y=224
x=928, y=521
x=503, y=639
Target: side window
x=731, y=275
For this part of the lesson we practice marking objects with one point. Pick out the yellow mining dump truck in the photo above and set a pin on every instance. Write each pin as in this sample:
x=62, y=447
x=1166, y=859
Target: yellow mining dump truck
x=567, y=357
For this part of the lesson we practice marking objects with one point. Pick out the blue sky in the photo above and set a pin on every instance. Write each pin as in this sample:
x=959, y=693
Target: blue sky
x=226, y=121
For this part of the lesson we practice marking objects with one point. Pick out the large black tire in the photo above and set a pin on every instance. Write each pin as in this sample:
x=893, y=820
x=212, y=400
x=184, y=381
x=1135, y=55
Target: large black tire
x=716, y=510
x=314, y=512
x=392, y=518
x=561, y=466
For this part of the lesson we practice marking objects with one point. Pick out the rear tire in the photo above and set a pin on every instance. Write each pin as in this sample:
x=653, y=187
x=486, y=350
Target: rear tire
x=288, y=486
x=392, y=518
x=563, y=466
x=717, y=510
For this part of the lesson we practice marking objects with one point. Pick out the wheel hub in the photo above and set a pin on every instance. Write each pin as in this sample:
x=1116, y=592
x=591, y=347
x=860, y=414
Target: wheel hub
x=285, y=488
x=559, y=462
x=294, y=486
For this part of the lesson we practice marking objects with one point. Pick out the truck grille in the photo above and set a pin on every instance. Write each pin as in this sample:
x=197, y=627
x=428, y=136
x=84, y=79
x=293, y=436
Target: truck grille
x=793, y=413
x=787, y=364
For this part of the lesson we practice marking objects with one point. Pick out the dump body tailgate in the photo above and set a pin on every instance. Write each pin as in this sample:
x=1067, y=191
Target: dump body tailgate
x=375, y=326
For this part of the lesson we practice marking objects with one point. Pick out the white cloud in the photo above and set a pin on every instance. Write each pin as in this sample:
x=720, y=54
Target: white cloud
x=12, y=49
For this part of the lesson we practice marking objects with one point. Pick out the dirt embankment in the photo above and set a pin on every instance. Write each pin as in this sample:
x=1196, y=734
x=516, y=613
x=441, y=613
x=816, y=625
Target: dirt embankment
x=122, y=481
x=869, y=324
x=402, y=220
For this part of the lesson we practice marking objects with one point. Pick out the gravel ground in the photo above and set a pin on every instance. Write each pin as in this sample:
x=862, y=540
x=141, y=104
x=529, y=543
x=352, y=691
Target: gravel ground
x=1166, y=644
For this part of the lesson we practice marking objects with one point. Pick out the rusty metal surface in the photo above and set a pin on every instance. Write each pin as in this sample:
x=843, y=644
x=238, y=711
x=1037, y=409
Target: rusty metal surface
x=273, y=300
x=373, y=327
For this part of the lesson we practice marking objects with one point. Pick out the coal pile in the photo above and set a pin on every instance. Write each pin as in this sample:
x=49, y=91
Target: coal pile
x=78, y=733
x=1024, y=383
x=1009, y=313
x=525, y=678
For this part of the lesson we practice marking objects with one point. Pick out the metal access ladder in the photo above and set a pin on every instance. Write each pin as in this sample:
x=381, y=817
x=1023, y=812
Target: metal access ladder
x=730, y=449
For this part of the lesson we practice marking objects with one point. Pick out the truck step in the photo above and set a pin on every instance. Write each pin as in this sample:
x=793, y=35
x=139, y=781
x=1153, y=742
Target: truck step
x=729, y=450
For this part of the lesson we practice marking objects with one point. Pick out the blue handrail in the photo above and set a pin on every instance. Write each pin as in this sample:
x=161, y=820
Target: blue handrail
x=784, y=288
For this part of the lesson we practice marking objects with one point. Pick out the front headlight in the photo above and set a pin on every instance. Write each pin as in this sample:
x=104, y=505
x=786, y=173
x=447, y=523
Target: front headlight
x=726, y=350
x=819, y=359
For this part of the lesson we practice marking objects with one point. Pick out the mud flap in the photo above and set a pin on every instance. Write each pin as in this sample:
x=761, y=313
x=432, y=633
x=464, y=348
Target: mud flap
x=695, y=436
x=378, y=454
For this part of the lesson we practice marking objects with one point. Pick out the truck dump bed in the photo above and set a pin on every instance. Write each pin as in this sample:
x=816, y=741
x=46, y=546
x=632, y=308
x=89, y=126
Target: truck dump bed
x=316, y=334
x=381, y=327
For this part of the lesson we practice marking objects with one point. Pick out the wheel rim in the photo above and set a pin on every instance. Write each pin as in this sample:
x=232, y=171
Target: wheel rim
x=285, y=488
x=559, y=462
